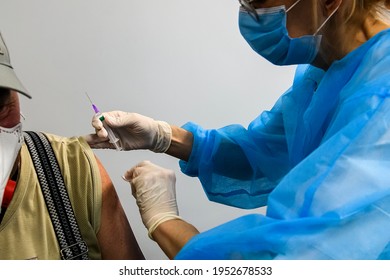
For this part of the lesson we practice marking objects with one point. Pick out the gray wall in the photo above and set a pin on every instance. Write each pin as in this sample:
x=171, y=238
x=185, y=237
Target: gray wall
x=172, y=60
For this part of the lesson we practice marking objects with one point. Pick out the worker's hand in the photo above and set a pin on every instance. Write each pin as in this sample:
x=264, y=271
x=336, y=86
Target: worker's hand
x=134, y=131
x=153, y=187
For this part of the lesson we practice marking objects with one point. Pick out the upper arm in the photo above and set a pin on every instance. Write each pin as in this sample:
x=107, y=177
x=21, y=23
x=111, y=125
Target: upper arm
x=116, y=238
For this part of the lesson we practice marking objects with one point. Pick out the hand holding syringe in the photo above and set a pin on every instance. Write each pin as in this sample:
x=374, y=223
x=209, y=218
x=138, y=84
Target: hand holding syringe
x=111, y=136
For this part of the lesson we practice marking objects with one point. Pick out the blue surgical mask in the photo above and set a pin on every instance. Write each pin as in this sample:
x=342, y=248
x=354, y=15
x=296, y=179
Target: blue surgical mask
x=268, y=36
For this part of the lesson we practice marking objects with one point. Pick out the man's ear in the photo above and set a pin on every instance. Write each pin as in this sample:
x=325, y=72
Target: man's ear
x=331, y=5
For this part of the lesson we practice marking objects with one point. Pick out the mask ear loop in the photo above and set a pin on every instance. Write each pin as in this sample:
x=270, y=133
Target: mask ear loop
x=330, y=16
x=293, y=5
x=23, y=118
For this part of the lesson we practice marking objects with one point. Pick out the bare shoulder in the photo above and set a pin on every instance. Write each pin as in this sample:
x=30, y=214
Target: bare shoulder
x=115, y=236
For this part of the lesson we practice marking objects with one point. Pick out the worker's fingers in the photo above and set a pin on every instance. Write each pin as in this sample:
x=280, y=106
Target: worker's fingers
x=96, y=142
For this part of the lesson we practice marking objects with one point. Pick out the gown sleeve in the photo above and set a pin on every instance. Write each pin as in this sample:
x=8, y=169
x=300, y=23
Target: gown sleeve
x=233, y=163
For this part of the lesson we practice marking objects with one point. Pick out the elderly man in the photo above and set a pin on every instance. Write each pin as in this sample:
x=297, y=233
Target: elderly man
x=29, y=227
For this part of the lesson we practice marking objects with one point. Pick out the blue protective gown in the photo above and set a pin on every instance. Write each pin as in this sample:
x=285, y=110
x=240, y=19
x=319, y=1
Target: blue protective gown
x=319, y=160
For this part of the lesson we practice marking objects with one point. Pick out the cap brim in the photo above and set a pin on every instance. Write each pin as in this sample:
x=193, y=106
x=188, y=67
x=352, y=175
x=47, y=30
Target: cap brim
x=8, y=79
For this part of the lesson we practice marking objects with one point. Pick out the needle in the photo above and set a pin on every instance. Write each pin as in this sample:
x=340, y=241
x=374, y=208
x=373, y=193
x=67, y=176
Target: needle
x=111, y=135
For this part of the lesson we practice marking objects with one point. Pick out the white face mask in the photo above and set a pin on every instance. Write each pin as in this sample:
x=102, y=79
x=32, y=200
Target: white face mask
x=11, y=140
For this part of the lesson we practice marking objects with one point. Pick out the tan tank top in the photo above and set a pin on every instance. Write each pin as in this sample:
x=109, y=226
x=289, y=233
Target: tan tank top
x=26, y=231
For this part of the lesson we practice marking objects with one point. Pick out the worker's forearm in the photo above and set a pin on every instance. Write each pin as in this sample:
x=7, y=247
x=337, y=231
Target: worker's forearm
x=181, y=143
x=172, y=235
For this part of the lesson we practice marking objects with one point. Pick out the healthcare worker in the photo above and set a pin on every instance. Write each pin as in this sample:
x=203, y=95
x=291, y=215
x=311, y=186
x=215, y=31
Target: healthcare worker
x=319, y=159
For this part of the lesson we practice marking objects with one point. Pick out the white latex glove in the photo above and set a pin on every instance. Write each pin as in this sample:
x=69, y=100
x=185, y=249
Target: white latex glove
x=134, y=131
x=153, y=187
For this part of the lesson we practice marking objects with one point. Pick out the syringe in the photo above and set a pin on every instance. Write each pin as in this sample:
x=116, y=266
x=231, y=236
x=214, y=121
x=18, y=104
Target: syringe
x=111, y=136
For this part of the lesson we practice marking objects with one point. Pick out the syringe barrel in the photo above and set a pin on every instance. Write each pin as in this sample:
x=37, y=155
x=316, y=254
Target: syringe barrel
x=111, y=135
